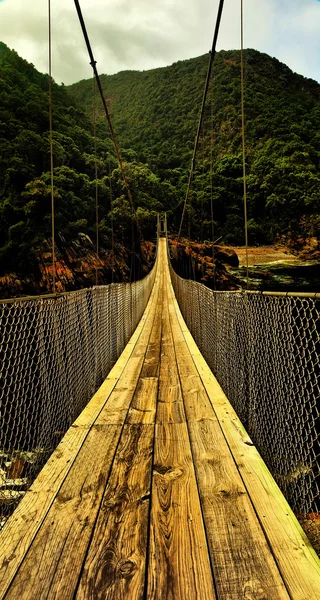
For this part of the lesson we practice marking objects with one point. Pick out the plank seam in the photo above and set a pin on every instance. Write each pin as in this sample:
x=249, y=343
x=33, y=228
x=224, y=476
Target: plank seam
x=76, y=589
x=185, y=330
x=146, y=577
x=228, y=445
x=191, y=448
x=142, y=323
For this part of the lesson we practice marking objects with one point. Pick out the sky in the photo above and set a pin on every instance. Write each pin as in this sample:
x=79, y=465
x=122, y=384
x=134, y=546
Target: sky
x=144, y=34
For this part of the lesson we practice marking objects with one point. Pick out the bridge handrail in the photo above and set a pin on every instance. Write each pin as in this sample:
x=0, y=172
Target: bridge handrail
x=55, y=352
x=313, y=295
x=263, y=347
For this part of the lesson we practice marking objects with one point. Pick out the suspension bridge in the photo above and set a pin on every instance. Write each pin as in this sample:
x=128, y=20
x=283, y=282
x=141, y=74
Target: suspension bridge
x=156, y=490
x=126, y=471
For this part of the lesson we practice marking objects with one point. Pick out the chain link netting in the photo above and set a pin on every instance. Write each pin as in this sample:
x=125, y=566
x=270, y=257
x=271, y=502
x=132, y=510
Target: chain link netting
x=264, y=351
x=54, y=354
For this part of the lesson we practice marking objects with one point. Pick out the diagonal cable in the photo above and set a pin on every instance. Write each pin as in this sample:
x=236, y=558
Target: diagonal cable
x=93, y=64
x=212, y=55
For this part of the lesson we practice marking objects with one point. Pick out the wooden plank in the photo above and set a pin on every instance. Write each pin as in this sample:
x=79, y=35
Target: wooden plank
x=143, y=406
x=169, y=388
x=151, y=362
x=196, y=401
x=92, y=410
x=22, y=527
x=179, y=565
x=170, y=412
x=53, y=563
x=232, y=527
x=89, y=414
x=295, y=557
x=115, y=565
x=152, y=358
x=144, y=360
x=117, y=406
x=114, y=411
x=170, y=402
x=144, y=338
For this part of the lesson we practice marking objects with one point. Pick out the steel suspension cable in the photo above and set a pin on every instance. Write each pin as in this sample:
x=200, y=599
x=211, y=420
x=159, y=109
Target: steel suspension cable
x=211, y=188
x=244, y=150
x=96, y=174
x=93, y=64
x=51, y=154
x=211, y=59
x=112, y=228
x=202, y=186
x=211, y=168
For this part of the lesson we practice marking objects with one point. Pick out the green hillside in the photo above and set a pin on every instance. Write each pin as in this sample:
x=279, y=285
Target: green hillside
x=25, y=193
x=155, y=115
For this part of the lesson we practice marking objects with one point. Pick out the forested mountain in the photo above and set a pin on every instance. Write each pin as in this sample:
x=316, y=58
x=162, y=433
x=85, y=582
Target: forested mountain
x=155, y=117
x=25, y=193
x=25, y=202
x=155, y=114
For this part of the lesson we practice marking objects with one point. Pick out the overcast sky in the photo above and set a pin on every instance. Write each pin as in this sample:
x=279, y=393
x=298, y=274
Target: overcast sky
x=143, y=34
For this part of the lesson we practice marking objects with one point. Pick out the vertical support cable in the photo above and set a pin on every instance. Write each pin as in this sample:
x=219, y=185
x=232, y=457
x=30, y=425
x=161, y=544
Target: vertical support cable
x=244, y=151
x=112, y=228
x=211, y=187
x=96, y=174
x=202, y=187
x=51, y=153
x=211, y=170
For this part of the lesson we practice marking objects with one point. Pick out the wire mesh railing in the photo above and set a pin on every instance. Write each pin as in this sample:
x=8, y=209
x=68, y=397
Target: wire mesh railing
x=54, y=354
x=264, y=351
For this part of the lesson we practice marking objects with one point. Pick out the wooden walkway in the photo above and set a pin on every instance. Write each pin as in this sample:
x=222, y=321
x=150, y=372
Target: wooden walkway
x=156, y=491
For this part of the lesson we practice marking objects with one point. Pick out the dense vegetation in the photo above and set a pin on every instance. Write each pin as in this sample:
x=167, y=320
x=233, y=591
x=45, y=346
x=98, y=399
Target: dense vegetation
x=155, y=118
x=155, y=114
x=25, y=192
x=25, y=202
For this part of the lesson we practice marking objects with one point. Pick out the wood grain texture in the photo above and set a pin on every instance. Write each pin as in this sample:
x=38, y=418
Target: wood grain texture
x=53, y=563
x=179, y=565
x=152, y=358
x=117, y=406
x=16, y=537
x=171, y=412
x=89, y=414
x=296, y=559
x=143, y=405
x=22, y=527
x=115, y=565
x=94, y=407
x=232, y=527
x=170, y=402
x=120, y=512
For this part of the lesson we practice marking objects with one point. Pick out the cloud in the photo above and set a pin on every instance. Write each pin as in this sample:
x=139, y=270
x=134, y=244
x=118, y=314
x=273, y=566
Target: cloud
x=140, y=34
